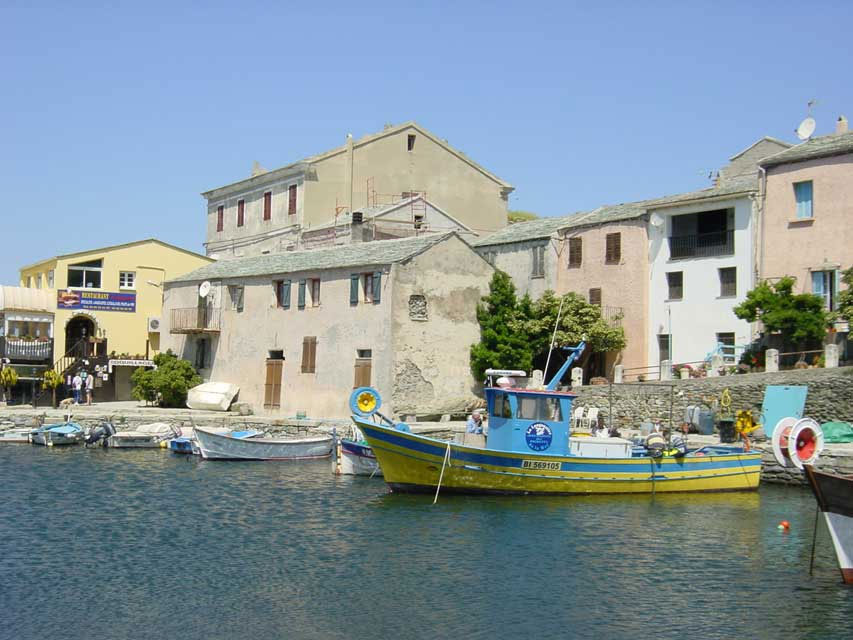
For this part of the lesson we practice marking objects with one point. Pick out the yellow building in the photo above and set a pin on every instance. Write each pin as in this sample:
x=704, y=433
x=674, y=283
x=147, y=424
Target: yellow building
x=108, y=303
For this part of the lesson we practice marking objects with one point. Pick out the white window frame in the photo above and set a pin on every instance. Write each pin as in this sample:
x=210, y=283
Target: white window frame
x=50, y=280
x=122, y=280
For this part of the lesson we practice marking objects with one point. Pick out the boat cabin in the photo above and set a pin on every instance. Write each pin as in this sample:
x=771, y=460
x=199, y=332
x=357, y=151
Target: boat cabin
x=529, y=421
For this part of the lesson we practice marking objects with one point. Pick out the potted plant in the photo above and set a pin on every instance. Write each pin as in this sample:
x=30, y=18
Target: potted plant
x=50, y=381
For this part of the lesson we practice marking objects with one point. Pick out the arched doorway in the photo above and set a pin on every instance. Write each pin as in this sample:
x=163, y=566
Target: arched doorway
x=78, y=328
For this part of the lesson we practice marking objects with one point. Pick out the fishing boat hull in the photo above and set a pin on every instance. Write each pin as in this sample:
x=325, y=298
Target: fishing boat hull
x=414, y=463
x=220, y=446
x=357, y=459
x=834, y=495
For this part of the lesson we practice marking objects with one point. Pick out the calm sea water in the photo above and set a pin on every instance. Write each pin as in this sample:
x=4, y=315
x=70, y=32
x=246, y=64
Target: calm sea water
x=146, y=544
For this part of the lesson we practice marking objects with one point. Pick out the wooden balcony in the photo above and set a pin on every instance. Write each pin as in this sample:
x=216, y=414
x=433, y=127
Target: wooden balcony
x=19, y=350
x=195, y=320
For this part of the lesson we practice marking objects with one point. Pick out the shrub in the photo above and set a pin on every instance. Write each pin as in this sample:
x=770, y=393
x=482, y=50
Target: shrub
x=166, y=385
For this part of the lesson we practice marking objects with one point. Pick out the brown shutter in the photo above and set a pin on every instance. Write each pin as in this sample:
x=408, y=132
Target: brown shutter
x=309, y=354
x=291, y=203
x=575, y=252
x=595, y=296
x=241, y=204
x=220, y=215
x=613, y=248
x=272, y=386
x=362, y=372
x=267, y=205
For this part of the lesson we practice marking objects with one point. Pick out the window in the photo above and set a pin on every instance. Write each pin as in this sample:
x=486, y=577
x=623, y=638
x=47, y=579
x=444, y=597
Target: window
x=127, y=280
x=282, y=293
x=241, y=210
x=675, y=285
x=314, y=287
x=29, y=282
x=538, y=408
x=38, y=281
x=538, y=262
x=268, y=205
x=595, y=296
x=575, y=252
x=220, y=218
x=235, y=292
x=664, y=346
x=309, y=354
x=728, y=282
x=418, y=307
x=803, y=197
x=85, y=274
x=291, y=200
x=613, y=248
x=363, y=363
x=726, y=342
x=825, y=285
x=410, y=142
x=201, y=356
x=502, y=408
x=50, y=279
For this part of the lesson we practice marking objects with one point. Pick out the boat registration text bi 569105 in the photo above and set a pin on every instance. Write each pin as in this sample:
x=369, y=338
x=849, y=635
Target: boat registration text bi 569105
x=542, y=465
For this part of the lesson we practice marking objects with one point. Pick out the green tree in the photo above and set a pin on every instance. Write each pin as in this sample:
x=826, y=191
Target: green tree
x=501, y=345
x=168, y=383
x=520, y=216
x=845, y=298
x=8, y=379
x=800, y=318
x=51, y=380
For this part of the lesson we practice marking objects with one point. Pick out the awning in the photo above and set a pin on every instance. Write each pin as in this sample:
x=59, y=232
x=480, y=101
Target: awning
x=27, y=299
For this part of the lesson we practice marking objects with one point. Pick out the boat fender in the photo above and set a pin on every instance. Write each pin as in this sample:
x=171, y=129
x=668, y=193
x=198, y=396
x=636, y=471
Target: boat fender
x=797, y=442
x=402, y=426
x=365, y=401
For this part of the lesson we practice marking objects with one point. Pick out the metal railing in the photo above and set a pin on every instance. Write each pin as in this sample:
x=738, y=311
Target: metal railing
x=33, y=350
x=613, y=315
x=195, y=320
x=702, y=245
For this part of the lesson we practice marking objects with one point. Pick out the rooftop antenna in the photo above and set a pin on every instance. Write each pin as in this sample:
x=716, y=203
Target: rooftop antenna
x=807, y=126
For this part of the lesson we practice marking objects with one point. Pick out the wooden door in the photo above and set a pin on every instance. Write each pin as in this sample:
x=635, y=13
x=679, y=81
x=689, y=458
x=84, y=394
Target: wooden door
x=272, y=386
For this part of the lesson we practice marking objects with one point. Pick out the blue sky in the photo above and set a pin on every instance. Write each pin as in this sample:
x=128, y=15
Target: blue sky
x=114, y=117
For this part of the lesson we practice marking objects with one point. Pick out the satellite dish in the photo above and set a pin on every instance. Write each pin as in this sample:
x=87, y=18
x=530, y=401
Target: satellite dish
x=656, y=220
x=806, y=128
x=203, y=289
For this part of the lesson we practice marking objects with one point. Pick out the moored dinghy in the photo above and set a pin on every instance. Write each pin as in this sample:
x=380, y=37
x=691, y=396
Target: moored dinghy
x=57, y=434
x=529, y=450
x=226, y=446
x=146, y=436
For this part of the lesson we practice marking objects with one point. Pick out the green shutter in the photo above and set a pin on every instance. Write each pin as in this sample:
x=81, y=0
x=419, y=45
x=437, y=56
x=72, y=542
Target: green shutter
x=301, y=301
x=285, y=294
x=377, y=286
x=353, y=288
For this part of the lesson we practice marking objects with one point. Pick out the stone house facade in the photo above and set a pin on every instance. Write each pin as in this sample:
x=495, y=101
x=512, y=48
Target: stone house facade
x=807, y=205
x=269, y=211
x=297, y=331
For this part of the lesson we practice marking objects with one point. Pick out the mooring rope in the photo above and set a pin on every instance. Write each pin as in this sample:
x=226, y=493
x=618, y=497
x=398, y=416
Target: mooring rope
x=441, y=475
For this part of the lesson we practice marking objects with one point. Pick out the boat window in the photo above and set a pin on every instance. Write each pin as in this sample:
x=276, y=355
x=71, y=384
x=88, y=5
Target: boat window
x=539, y=408
x=501, y=408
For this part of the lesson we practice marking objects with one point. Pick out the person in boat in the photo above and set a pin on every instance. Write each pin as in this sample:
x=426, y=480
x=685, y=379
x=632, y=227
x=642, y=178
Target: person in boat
x=676, y=446
x=655, y=444
x=475, y=422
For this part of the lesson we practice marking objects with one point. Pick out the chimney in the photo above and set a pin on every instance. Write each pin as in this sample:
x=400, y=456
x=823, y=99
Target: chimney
x=841, y=125
x=357, y=227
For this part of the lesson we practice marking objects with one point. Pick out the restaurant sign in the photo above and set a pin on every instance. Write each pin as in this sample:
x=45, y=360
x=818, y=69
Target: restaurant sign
x=95, y=300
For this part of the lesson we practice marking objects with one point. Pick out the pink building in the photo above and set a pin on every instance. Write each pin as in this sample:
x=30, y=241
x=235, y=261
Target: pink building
x=805, y=228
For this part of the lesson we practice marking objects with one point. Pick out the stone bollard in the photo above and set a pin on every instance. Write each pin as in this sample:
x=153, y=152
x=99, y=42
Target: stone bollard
x=830, y=356
x=666, y=370
x=684, y=373
x=577, y=377
x=716, y=364
x=618, y=374
x=771, y=360
x=537, y=380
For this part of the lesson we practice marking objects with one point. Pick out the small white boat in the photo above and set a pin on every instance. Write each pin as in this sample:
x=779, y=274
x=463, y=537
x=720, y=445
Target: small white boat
x=227, y=446
x=354, y=457
x=57, y=434
x=15, y=434
x=146, y=436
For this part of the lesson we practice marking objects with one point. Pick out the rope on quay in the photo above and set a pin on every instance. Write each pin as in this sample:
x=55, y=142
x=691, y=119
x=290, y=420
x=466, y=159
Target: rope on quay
x=441, y=475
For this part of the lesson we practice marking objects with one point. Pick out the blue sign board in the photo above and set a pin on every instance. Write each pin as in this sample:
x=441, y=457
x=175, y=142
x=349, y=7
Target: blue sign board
x=538, y=436
x=95, y=300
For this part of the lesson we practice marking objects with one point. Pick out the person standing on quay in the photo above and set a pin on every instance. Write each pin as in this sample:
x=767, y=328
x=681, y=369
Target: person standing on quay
x=90, y=387
x=76, y=386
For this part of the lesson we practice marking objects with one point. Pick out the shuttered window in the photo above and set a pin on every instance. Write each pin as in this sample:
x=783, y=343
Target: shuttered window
x=575, y=252
x=613, y=248
x=220, y=218
x=377, y=286
x=282, y=293
x=362, y=372
x=315, y=292
x=675, y=285
x=728, y=282
x=291, y=200
x=353, y=288
x=301, y=299
x=309, y=354
x=803, y=196
x=268, y=205
x=241, y=210
x=272, y=385
x=595, y=296
x=538, y=270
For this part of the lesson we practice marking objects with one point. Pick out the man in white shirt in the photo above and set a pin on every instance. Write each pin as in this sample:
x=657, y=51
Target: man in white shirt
x=76, y=386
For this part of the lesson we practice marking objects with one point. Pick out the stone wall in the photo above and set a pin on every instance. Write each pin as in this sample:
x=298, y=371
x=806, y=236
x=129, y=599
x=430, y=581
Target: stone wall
x=830, y=395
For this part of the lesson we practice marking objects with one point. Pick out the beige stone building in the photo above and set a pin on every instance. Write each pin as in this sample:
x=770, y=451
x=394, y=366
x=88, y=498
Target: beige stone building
x=297, y=331
x=807, y=210
x=269, y=211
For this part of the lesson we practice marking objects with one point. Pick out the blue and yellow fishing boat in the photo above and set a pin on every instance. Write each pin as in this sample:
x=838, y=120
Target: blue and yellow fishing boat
x=530, y=450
